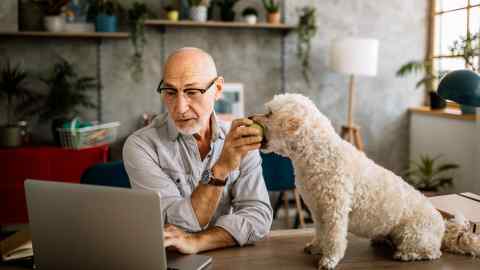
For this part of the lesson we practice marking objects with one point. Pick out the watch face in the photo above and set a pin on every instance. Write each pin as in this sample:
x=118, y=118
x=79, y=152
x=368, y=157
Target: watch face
x=206, y=175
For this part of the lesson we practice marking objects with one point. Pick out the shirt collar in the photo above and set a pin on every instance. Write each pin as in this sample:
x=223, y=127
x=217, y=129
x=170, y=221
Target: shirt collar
x=217, y=132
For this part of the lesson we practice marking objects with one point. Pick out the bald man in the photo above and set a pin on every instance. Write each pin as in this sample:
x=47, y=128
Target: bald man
x=208, y=173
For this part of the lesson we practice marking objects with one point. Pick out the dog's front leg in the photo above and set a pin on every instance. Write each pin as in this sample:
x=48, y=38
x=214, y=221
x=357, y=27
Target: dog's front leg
x=332, y=233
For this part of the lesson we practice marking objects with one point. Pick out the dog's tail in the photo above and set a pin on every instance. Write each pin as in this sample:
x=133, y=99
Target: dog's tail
x=459, y=237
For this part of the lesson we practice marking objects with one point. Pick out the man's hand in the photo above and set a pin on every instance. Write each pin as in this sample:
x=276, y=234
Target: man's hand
x=182, y=241
x=239, y=141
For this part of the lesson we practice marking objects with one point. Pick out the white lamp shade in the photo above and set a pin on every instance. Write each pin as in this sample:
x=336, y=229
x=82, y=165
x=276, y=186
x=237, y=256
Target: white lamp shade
x=355, y=56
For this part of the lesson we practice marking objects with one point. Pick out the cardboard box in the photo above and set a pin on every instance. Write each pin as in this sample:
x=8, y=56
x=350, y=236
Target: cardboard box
x=465, y=203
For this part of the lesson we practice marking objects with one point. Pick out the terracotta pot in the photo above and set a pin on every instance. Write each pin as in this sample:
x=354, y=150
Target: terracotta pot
x=273, y=17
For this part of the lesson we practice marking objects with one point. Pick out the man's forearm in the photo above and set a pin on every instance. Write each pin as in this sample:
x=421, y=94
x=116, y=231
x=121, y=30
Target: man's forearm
x=205, y=198
x=213, y=238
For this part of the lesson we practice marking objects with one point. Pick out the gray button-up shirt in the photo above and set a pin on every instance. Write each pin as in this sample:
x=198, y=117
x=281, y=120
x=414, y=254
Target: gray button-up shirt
x=159, y=158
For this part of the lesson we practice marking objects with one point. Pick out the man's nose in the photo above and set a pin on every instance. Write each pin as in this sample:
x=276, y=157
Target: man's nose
x=181, y=104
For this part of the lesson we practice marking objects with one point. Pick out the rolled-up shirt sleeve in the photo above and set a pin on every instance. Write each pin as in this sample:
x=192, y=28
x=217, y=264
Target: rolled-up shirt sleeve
x=251, y=217
x=144, y=172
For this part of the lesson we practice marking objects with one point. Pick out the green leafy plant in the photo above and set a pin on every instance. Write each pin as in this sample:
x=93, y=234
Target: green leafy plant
x=137, y=15
x=272, y=6
x=13, y=87
x=67, y=92
x=306, y=30
x=249, y=11
x=54, y=7
x=195, y=3
x=468, y=47
x=108, y=7
x=415, y=67
x=226, y=9
x=426, y=175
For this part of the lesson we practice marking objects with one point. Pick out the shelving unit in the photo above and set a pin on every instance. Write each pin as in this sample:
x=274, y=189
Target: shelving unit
x=219, y=24
x=95, y=35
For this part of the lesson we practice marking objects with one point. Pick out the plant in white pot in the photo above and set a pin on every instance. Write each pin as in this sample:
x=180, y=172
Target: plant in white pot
x=13, y=88
x=198, y=10
x=250, y=14
x=54, y=21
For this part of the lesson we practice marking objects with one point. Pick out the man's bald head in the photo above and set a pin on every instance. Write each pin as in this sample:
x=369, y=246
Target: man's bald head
x=189, y=62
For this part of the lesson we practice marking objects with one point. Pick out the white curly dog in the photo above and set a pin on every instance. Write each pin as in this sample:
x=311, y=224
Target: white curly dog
x=348, y=192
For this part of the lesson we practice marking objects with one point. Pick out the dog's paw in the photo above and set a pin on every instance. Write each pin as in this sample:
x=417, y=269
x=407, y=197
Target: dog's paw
x=312, y=248
x=327, y=263
x=413, y=256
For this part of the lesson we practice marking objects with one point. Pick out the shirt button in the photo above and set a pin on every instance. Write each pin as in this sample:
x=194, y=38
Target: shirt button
x=178, y=180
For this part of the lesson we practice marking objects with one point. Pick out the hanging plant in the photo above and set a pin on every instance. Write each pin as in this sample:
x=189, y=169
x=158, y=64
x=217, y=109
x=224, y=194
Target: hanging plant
x=306, y=30
x=137, y=15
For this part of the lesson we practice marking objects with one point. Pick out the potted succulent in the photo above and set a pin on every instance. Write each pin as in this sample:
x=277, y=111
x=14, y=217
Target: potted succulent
x=436, y=102
x=198, y=10
x=428, y=177
x=250, y=15
x=54, y=21
x=13, y=88
x=273, y=11
x=226, y=10
x=67, y=92
x=105, y=14
x=172, y=13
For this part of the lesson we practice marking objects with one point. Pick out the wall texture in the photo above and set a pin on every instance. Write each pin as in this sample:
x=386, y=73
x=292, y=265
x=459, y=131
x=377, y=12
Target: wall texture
x=252, y=57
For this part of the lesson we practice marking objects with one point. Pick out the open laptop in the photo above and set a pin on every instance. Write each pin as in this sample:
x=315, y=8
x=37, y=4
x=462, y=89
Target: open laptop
x=76, y=226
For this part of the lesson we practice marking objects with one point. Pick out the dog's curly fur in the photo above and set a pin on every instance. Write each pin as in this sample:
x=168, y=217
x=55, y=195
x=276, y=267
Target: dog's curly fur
x=348, y=192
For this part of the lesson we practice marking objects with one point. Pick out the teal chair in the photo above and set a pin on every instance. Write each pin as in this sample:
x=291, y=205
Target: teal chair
x=106, y=174
x=279, y=176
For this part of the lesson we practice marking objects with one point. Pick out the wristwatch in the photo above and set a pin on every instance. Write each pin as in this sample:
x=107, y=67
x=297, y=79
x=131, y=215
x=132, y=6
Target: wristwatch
x=209, y=179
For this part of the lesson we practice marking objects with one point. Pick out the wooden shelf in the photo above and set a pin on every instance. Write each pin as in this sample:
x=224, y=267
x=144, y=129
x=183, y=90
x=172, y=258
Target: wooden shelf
x=117, y=35
x=451, y=113
x=218, y=24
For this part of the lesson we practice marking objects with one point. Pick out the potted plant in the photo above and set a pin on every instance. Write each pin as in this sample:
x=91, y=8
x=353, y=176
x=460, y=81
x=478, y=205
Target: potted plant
x=226, y=10
x=105, y=15
x=273, y=11
x=428, y=176
x=67, y=92
x=306, y=30
x=13, y=87
x=250, y=14
x=436, y=102
x=198, y=10
x=172, y=13
x=137, y=15
x=54, y=21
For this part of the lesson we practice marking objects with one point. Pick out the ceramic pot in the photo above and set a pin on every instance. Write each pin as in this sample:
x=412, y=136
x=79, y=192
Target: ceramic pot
x=198, y=13
x=54, y=23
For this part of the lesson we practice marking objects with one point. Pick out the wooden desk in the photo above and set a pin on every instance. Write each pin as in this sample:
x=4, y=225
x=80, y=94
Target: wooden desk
x=284, y=250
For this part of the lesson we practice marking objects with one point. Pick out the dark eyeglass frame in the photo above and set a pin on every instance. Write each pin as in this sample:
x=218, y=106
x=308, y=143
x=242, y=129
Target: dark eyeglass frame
x=202, y=90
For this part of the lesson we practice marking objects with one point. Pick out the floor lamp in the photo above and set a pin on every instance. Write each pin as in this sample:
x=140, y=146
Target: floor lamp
x=354, y=56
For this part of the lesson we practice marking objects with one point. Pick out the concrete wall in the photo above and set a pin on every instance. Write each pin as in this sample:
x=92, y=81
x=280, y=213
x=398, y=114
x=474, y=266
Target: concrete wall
x=252, y=57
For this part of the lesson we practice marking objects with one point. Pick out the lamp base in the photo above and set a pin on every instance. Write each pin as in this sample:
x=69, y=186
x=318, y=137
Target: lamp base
x=352, y=135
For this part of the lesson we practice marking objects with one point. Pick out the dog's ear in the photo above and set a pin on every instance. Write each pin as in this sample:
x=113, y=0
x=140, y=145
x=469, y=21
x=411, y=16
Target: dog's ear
x=293, y=124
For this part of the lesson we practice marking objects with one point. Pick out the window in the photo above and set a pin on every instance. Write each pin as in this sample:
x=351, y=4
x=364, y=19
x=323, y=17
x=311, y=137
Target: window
x=453, y=20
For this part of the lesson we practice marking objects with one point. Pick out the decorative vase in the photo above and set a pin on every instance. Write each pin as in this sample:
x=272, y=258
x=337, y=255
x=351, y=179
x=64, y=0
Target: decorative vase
x=250, y=19
x=10, y=136
x=198, y=13
x=54, y=23
x=173, y=15
x=105, y=23
x=436, y=102
x=273, y=17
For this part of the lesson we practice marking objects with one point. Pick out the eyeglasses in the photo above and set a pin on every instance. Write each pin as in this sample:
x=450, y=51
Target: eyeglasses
x=191, y=93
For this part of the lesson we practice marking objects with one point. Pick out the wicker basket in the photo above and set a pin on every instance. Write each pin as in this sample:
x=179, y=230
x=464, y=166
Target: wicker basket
x=77, y=138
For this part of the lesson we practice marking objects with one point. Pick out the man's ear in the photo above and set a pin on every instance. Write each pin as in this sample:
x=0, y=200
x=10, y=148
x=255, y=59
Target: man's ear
x=219, y=88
